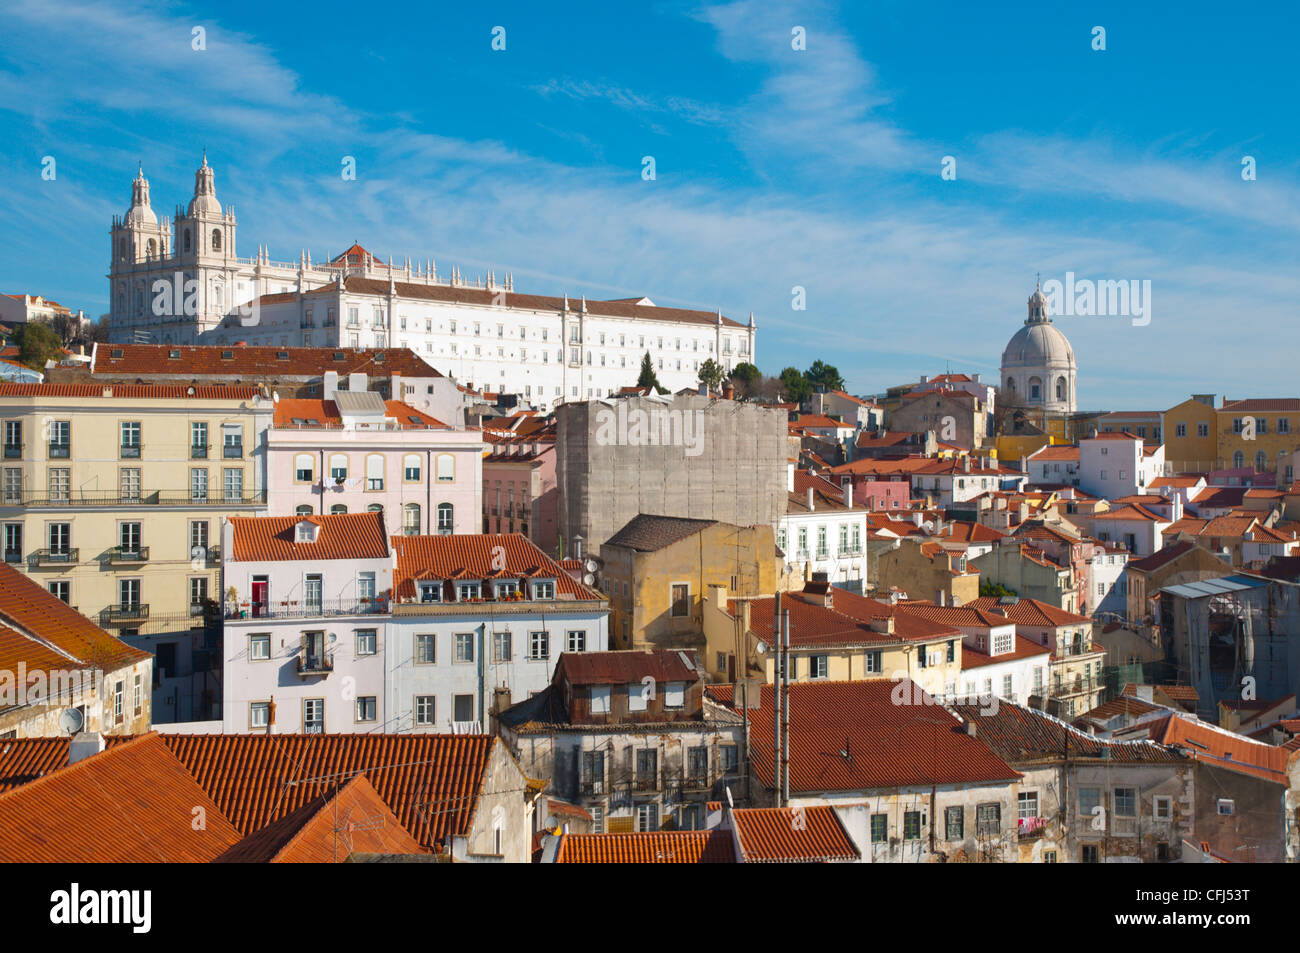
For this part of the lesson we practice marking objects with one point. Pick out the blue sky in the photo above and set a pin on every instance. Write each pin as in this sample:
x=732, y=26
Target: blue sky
x=775, y=168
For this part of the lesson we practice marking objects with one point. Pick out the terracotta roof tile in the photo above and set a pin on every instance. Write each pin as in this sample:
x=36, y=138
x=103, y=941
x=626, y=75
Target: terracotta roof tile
x=775, y=835
x=341, y=536
x=132, y=803
x=479, y=556
x=257, y=362
x=350, y=819
x=26, y=759
x=648, y=533
x=430, y=782
x=1030, y=611
x=619, y=668
x=1020, y=734
x=133, y=391
x=651, y=847
x=889, y=744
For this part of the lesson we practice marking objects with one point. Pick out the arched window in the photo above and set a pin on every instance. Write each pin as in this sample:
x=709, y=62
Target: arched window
x=338, y=509
x=338, y=467
x=153, y=248
x=411, y=468
x=1238, y=460
x=1011, y=384
x=1060, y=389
x=375, y=508
x=1261, y=462
x=216, y=239
x=121, y=249
x=411, y=519
x=446, y=468
x=304, y=468
x=445, y=517
x=303, y=509
x=187, y=239
x=374, y=472
x=1035, y=388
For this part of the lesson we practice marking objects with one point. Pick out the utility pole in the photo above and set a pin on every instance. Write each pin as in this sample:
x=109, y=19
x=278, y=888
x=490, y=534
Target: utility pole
x=777, y=667
x=785, y=708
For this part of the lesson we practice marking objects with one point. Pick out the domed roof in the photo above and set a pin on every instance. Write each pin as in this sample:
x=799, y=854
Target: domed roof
x=1039, y=343
x=205, y=192
x=140, y=213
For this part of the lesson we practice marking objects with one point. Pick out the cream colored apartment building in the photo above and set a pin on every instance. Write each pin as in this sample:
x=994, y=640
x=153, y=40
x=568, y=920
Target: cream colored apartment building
x=113, y=497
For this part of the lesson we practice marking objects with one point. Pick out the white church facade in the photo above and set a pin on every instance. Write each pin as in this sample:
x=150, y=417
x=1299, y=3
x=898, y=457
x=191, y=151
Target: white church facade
x=181, y=282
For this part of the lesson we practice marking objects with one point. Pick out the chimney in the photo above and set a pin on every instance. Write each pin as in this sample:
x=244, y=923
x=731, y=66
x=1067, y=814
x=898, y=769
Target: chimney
x=728, y=391
x=811, y=506
x=330, y=385
x=970, y=729
x=789, y=477
x=848, y=493
x=965, y=463
x=885, y=625
x=356, y=381
x=83, y=745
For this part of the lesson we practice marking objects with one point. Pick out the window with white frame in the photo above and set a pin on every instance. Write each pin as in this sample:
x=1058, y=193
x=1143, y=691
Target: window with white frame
x=424, y=711
x=426, y=650
x=600, y=695
x=539, y=645
x=577, y=640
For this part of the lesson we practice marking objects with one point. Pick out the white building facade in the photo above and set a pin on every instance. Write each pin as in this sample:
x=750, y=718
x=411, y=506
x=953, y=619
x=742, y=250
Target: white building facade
x=182, y=283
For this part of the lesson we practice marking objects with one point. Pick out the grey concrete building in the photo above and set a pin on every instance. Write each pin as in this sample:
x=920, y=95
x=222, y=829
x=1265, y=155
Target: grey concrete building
x=685, y=456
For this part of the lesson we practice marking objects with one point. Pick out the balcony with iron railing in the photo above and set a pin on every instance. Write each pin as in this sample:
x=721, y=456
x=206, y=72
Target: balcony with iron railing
x=314, y=663
x=232, y=451
x=1031, y=828
x=128, y=555
x=125, y=614
x=150, y=498
x=198, y=451
x=305, y=609
x=13, y=451
x=60, y=451
x=58, y=557
x=129, y=451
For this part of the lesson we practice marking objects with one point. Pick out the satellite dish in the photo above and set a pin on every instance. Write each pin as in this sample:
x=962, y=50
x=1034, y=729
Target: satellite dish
x=589, y=580
x=275, y=397
x=333, y=637
x=592, y=565
x=761, y=648
x=71, y=721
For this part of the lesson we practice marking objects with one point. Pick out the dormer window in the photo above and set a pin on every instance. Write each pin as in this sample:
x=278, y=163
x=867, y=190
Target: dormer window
x=544, y=589
x=306, y=532
x=506, y=589
x=431, y=592
x=468, y=590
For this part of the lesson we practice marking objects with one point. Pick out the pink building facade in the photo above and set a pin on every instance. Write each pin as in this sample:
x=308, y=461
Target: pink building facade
x=520, y=494
x=357, y=453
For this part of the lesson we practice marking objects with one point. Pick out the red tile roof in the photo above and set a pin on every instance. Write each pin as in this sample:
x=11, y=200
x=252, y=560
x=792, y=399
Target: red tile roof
x=1222, y=748
x=134, y=803
x=651, y=847
x=972, y=657
x=257, y=362
x=1029, y=611
x=797, y=835
x=28, y=611
x=846, y=622
x=26, y=759
x=133, y=391
x=618, y=308
x=352, y=818
x=479, y=556
x=889, y=744
x=620, y=668
x=432, y=783
x=341, y=536
x=325, y=413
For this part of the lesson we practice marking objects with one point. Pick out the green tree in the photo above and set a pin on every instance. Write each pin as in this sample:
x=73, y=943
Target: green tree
x=825, y=376
x=995, y=589
x=647, y=377
x=37, y=343
x=795, y=385
x=745, y=373
x=711, y=374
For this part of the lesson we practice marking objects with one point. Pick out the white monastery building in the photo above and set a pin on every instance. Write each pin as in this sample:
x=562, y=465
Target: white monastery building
x=182, y=282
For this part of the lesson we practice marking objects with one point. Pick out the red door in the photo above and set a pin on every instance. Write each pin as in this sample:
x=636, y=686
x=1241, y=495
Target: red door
x=259, y=597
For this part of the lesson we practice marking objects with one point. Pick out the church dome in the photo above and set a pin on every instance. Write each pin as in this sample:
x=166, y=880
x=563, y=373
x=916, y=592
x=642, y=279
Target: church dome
x=1038, y=365
x=1038, y=345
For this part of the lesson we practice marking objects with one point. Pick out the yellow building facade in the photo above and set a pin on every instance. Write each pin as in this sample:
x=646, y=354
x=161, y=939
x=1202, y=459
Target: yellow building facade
x=113, y=496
